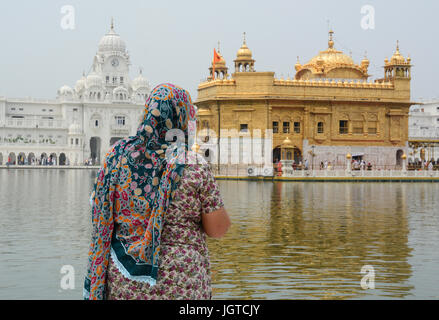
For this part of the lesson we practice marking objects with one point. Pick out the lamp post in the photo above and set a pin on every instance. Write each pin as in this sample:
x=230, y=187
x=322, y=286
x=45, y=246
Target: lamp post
x=312, y=154
x=404, y=165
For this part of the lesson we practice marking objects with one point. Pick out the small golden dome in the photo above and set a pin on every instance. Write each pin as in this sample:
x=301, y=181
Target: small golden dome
x=397, y=57
x=244, y=52
x=221, y=62
x=365, y=62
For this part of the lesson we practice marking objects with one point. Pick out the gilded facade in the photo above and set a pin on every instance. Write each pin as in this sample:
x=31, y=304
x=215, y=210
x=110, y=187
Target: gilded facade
x=329, y=109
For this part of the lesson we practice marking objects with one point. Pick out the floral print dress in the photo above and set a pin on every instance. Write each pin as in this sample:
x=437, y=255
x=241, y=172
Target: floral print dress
x=184, y=267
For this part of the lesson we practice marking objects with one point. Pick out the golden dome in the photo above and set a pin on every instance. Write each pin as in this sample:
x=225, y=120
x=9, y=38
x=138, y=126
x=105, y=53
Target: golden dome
x=330, y=59
x=332, y=56
x=365, y=62
x=244, y=52
x=397, y=57
x=220, y=63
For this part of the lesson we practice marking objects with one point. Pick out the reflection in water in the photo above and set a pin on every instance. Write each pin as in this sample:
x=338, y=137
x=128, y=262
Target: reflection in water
x=310, y=240
x=45, y=224
x=288, y=240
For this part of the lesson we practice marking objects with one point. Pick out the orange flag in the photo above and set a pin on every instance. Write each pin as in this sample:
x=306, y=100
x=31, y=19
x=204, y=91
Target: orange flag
x=216, y=58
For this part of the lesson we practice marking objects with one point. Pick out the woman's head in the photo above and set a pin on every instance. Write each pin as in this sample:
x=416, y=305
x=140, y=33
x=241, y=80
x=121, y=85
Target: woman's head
x=168, y=107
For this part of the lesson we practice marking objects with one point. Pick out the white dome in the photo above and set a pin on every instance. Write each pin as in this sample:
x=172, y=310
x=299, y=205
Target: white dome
x=140, y=82
x=65, y=91
x=80, y=84
x=74, y=128
x=93, y=80
x=111, y=42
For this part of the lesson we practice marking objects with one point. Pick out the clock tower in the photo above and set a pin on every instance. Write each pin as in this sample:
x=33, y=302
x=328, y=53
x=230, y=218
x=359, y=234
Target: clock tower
x=112, y=62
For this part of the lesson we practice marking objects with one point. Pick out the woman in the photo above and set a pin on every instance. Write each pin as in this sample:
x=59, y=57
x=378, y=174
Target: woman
x=152, y=204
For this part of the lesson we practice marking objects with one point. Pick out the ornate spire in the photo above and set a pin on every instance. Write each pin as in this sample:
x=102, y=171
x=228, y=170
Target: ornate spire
x=244, y=39
x=112, y=24
x=298, y=65
x=331, y=41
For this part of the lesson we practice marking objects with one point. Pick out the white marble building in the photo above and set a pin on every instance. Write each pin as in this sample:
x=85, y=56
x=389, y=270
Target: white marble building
x=82, y=122
x=424, y=130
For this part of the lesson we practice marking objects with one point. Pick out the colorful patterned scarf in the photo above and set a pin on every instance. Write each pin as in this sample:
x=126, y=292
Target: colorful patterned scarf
x=140, y=171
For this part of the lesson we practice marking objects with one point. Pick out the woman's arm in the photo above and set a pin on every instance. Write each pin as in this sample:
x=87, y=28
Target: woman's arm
x=216, y=223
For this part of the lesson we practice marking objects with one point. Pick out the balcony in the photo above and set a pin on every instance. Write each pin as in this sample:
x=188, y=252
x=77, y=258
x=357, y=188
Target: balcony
x=120, y=129
x=35, y=123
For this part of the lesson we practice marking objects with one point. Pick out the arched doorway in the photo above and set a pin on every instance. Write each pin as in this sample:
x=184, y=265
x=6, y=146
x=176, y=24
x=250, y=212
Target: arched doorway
x=1, y=158
x=12, y=158
x=297, y=155
x=43, y=158
x=95, y=150
x=31, y=158
x=276, y=154
x=399, y=160
x=20, y=158
x=53, y=159
x=62, y=159
x=113, y=140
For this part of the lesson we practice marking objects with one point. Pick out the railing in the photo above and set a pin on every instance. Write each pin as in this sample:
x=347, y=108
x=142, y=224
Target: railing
x=261, y=171
x=420, y=134
x=36, y=123
x=120, y=129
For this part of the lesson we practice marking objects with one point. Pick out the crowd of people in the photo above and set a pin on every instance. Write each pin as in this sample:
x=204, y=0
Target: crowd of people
x=324, y=165
x=419, y=164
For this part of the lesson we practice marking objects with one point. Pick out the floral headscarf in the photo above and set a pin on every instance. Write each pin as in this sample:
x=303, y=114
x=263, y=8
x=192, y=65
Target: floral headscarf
x=140, y=171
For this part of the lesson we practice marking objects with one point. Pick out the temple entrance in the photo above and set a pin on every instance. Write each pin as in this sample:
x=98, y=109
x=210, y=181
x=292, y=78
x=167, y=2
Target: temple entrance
x=276, y=154
x=12, y=158
x=53, y=159
x=31, y=158
x=21, y=157
x=43, y=158
x=297, y=155
x=399, y=154
x=95, y=150
x=62, y=159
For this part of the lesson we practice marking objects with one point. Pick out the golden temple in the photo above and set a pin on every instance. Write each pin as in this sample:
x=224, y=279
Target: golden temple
x=328, y=110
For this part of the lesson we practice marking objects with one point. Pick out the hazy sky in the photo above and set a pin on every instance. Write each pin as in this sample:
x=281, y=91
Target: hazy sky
x=173, y=41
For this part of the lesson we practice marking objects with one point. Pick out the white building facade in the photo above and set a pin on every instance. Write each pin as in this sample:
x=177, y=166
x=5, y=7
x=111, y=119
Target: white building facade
x=82, y=122
x=424, y=131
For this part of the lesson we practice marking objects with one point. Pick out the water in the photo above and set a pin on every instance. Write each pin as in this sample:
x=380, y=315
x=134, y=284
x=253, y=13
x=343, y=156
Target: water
x=289, y=240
